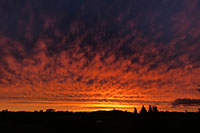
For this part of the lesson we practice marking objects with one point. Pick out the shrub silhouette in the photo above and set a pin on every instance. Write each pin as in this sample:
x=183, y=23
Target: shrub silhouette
x=50, y=110
x=4, y=110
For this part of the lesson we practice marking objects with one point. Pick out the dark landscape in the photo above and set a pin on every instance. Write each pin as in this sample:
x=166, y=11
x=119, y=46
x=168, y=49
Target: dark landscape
x=99, y=121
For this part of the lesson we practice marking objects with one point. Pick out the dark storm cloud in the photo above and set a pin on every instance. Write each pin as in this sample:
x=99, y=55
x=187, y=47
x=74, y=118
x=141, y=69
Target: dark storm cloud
x=186, y=102
x=114, y=47
x=198, y=89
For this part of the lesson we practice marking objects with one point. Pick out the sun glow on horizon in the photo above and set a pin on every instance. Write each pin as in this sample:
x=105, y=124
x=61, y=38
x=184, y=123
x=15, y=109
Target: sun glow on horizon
x=83, y=106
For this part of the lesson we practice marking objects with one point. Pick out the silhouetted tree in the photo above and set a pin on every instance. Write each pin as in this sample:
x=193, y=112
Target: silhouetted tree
x=150, y=109
x=135, y=110
x=143, y=110
x=155, y=109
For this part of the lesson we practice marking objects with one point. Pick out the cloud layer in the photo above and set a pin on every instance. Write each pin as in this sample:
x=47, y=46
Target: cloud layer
x=99, y=49
x=186, y=102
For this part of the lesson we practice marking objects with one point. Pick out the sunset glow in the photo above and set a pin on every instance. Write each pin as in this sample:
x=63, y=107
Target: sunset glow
x=87, y=55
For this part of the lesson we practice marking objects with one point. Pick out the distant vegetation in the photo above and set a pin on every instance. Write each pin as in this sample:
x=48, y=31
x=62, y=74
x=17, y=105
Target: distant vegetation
x=50, y=121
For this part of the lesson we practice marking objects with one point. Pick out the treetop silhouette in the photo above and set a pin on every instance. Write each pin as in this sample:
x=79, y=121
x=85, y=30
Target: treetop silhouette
x=152, y=109
x=143, y=110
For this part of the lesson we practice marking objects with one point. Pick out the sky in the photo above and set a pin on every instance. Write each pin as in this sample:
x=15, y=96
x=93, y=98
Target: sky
x=86, y=55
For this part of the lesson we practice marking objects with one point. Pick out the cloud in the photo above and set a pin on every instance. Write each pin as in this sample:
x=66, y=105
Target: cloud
x=186, y=102
x=198, y=89
x=125, y=50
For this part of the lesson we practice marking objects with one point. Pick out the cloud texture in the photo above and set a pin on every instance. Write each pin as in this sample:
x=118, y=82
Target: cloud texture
x=186, y=102
x=99, y=49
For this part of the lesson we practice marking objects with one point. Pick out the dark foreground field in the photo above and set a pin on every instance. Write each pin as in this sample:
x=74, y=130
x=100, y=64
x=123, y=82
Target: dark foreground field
x=100, y=121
